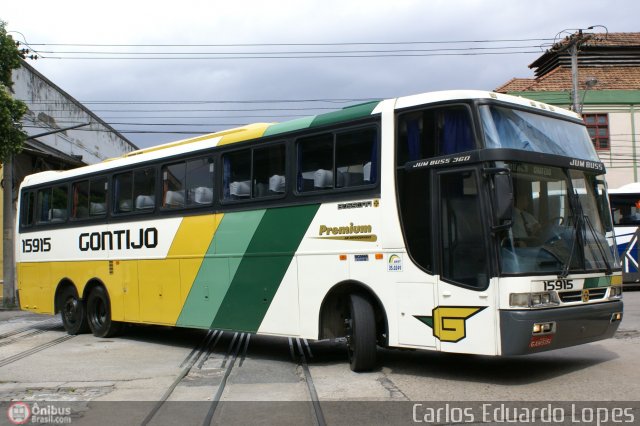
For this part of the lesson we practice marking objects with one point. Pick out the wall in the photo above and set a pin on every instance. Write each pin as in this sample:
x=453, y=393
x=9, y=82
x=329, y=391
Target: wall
x=51, y=108
x=619, y=160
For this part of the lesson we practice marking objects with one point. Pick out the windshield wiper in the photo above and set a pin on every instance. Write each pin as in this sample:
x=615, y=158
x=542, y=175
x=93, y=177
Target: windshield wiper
x=609, y=270
x=578, y=217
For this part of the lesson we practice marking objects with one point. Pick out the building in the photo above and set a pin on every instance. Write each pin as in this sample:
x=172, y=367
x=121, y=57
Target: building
x=62, y=133
x=608, y=94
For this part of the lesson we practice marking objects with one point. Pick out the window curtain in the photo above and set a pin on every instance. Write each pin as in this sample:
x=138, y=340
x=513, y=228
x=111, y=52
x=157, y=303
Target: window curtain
x=413, y=139
x=456, y=132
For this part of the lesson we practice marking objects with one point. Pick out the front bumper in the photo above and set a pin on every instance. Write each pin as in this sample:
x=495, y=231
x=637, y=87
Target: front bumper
x=575, y=325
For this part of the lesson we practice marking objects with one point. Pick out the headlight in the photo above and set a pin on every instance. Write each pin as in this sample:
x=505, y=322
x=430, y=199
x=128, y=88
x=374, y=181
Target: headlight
x=534, y=300
x=615, y=292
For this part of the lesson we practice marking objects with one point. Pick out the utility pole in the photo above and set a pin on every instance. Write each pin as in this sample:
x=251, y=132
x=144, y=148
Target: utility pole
x=8, y=266
x=573, y=51
x=573, y=43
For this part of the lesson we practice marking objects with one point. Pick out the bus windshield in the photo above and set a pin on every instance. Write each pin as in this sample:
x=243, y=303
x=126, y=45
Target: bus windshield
x=515, y=129
x=560, y=224
x=625, y=209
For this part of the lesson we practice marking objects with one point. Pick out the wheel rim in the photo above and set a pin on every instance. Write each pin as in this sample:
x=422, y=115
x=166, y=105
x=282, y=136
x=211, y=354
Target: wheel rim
x=349, y=328
x=101, y=312
x=71, y=310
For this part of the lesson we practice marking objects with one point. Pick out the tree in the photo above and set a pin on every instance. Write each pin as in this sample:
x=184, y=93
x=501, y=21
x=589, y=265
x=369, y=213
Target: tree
x=11, y=141
x=11, y=110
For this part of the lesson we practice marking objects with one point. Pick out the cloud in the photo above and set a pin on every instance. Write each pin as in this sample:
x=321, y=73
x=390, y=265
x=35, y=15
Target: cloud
x=312, y=21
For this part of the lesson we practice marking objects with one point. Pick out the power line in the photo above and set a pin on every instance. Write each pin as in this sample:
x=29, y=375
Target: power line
x=376, y=43
x=192, y=110
x=330, y=56
x=197, y=102
x=296, y=52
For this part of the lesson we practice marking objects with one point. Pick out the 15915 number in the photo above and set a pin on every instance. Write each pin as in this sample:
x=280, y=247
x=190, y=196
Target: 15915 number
x=36, y=245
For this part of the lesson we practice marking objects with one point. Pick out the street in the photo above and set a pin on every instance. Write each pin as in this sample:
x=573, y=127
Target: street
x=157, y=366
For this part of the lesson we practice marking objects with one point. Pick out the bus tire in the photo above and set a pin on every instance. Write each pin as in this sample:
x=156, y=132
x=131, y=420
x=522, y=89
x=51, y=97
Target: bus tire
x=73, y=312
x=99, y=314
x=361, y=334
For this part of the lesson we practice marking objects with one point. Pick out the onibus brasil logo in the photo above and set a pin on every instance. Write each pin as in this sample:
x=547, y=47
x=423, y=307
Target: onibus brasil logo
x=449, y=322
x=20, y=413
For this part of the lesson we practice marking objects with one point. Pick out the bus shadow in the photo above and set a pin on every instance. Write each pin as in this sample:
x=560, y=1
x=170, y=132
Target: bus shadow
x=510, y=371
x=520, y=370
x=271, y=348
x=163, y=335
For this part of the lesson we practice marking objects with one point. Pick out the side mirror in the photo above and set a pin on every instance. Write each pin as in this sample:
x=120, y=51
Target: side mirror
x=503, y=198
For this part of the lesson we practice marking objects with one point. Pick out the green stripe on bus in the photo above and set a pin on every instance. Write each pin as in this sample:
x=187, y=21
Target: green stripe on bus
x=261, y=270
x=595, y=282
x=289, y=126
x=218, y=268
x=348, y=113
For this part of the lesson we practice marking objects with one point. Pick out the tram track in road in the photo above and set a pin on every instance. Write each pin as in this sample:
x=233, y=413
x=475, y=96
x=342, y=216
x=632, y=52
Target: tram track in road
x=228, y=359
x=36, y=349
x=196, y=358
x=297, y=348
x=204, y=347
x=49, y=323
x=228, y=363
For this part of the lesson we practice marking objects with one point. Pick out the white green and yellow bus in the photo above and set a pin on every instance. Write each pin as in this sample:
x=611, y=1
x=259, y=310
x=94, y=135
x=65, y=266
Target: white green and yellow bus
x=456, y=221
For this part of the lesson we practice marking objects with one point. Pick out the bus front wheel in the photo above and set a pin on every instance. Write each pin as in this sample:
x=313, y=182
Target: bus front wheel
x=99, y=314
x=72, y=312
x=361, y=334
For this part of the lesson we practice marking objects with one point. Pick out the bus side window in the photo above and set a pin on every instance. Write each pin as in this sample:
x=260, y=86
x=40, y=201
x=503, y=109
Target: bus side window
x=434, y=132
x=80, y=207
x=135, y=191
x=412, y=144
x=237, y=175
x=28, y=208
x=462, y=244
x=89, y=198
x=173, y=185
x=123, y=193
x=414, y=195
x=188, y=183
x=315, y=163
x=268, y=171
x=44, y=205
x=144, y=189
x=52, y=204
x=455, y=134
x=59, y=204
x=356, y=158
x=200, y=181
x=98, y=197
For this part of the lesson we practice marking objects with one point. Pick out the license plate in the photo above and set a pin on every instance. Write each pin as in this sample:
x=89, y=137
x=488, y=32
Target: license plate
x=539, y=341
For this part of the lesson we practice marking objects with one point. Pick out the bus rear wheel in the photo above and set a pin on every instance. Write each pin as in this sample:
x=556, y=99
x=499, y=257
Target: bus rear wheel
x=72, y=312
x=361, y=334
x=99, y=314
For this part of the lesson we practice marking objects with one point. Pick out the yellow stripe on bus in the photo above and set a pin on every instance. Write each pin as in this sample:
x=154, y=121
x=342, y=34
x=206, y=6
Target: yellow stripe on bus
x=164, y=284
x=245, y=133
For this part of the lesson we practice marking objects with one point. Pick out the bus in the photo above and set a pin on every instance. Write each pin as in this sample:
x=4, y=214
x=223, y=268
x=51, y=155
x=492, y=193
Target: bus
x=456, y=221
x=625, y=208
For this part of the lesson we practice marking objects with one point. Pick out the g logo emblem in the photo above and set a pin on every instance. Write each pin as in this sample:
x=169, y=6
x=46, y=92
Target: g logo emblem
x=449, y=322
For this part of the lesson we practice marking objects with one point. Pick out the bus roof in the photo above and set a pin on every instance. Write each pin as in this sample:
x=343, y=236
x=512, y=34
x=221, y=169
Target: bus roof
x=258, y=130
x=630, y=188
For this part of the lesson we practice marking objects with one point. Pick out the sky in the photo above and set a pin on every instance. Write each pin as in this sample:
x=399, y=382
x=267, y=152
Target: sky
x=156, y=70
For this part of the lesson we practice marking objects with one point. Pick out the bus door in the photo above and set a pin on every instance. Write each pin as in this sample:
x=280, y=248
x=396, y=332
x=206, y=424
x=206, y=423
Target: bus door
x=464, y=319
